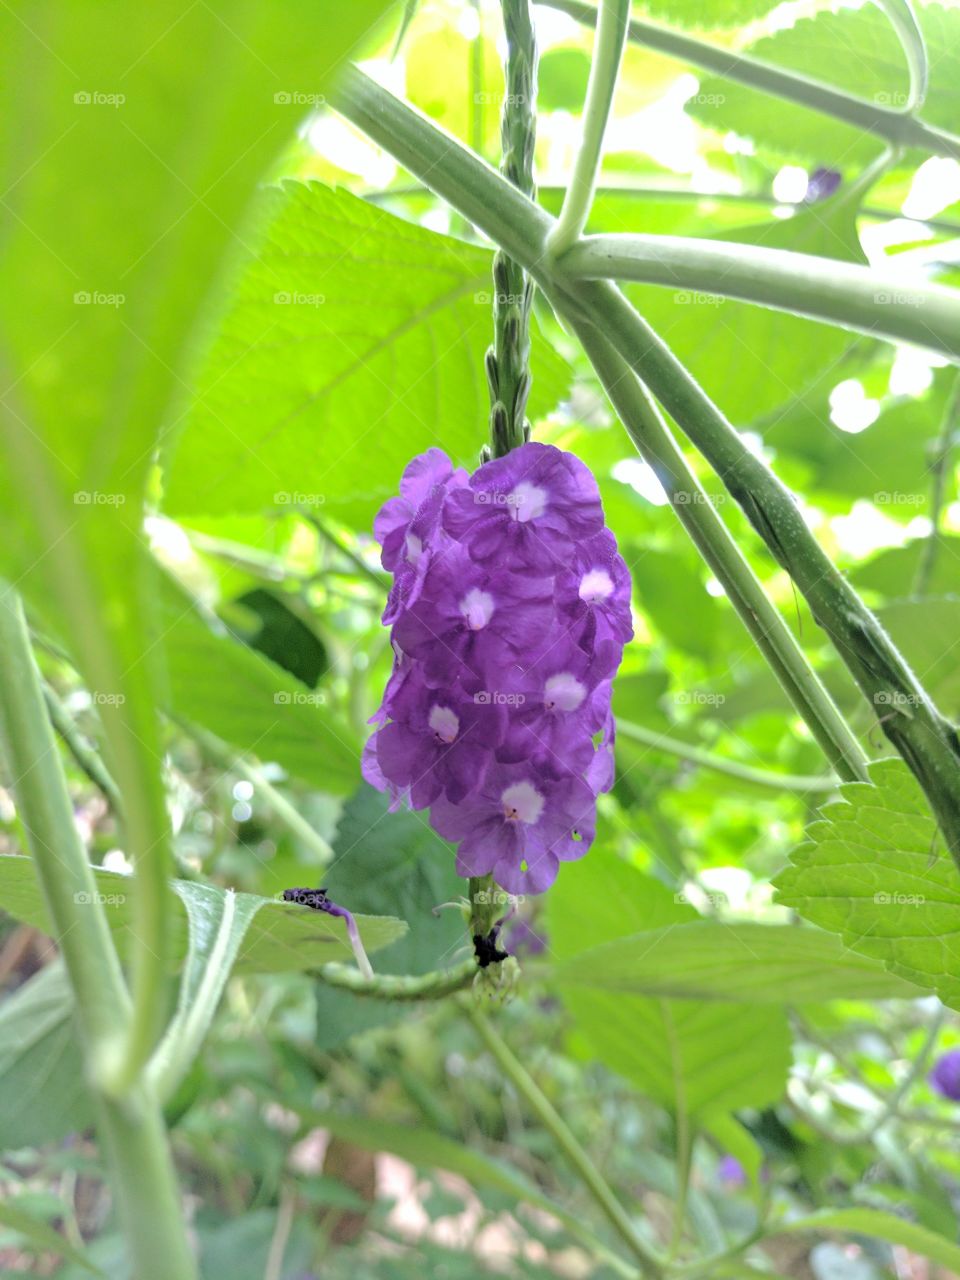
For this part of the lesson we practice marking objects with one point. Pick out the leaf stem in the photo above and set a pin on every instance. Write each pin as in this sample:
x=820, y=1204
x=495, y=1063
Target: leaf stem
x=86, y=758
x=732, y=768
x=551, y=1120
x=940, y=469
x=613, y=17
x=890, y=123
x=903, y=19
x=403, y=987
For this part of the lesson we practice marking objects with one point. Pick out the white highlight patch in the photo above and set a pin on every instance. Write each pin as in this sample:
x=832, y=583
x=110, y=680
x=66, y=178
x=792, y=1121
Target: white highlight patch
x=527, y=501
x=414, y=549
x=595, y=586
x=563, y=692
x=522, y=802
x=477, y=608
x=444, y=723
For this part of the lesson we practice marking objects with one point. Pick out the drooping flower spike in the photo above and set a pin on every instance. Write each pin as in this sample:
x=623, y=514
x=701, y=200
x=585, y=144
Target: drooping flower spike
x=510, y=608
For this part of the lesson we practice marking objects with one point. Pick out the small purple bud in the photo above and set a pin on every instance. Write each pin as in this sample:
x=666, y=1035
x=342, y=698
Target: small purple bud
x=821, y=184
x=731, y=1173
x=945, y=1076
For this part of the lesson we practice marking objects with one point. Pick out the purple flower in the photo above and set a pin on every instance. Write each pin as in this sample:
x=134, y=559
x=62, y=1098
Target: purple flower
x=470, y=616
x=510, y=608
x=519, y=826
x=595, y=596
x=408, y=528
x=526, y=510
x=945, y=1076
x=731, y=1173
x=439, y=742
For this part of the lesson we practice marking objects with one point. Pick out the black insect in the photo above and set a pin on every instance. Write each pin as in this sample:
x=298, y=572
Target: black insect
x=315, y=898
x=486, y=950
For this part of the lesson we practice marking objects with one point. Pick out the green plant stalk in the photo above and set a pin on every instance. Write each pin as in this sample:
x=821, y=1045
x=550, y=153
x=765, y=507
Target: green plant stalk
x=940, y=468
x=131, y=1126
x=86, y=758
x=842, y=293
x=720, y=764
x=925, y=739
x=893, y=125
x=402, y=987
x=716, y=544
x=579, y=1160
x=904, y=21
x=604, y=70
x=508, y=360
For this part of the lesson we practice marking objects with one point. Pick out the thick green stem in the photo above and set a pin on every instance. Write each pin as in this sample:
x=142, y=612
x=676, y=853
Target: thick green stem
x=904, y=21
x=923, y=737
x=508, y=360
x=87, y=759
x=720, y=764
x=130, y=1125
x=581, y=1163
x=717, y=546
x=390, y=986
x=890, y=123
x=842, y=293
x=604, y=70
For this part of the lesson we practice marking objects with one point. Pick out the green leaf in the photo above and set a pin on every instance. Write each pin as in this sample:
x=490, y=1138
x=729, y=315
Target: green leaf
x=694, y=1056
x=282, y=936
x=354, y=341
x=822, y=48
x=43, y=1096
x=390, y=862
x=893, y=572
x=881, y=1226
x=874, y=871
x=247, y=700
x=925, y=632
x=710, y=960
x=719, y=13
x=42, y=1236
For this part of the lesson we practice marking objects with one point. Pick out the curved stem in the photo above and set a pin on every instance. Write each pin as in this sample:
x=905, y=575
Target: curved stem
x=584, y=1167
x=86, y=758
x=855, y=297
x=904, y=21
x=889, y=123
x=940, y=467
x=403, y=987
x=604, y=70
x=720, y=764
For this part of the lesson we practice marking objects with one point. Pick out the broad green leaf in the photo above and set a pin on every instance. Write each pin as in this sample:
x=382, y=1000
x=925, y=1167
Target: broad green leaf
x=925, y=631
x=893, y=572
x=881, y=1226
x=390, y=862
x=245, y=699
x=874, y=871
x=42, y=1092
x=354, y=340
x=855, y=50
x=693, y=1056
x=709, y=960
x=42, y=1236
x=719, y=13
x=282, y=936
x=751, y=359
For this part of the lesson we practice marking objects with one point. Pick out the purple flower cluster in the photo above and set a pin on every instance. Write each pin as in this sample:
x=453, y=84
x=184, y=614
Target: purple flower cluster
x=510, y=607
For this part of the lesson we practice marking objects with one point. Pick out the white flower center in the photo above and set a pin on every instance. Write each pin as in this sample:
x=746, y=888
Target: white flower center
x=477, y=608
x=563, y=692
x=595, y=586
x=444, y=723
x=522, y=802
x=527, y=501
x=414, y=548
